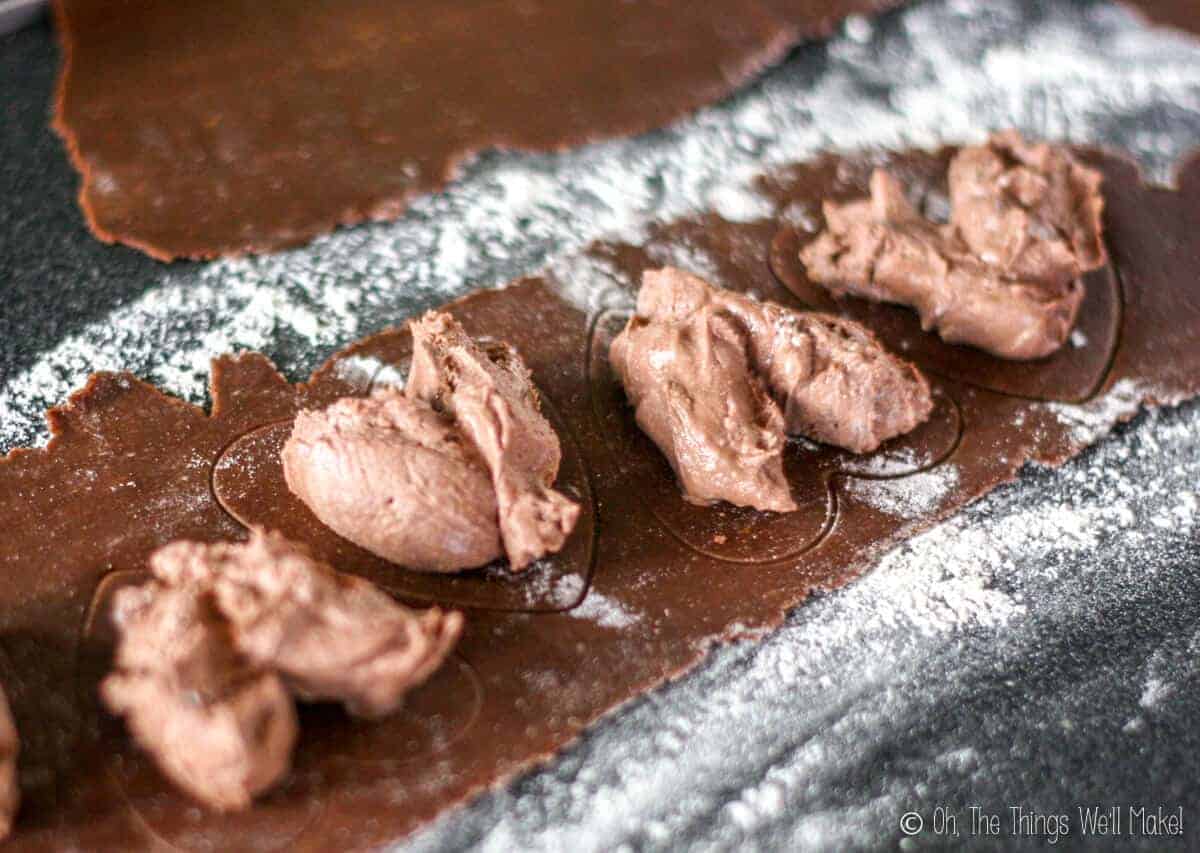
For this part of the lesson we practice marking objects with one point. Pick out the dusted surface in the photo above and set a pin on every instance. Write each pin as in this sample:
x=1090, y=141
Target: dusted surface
x=1038, y=651
x=667, y=580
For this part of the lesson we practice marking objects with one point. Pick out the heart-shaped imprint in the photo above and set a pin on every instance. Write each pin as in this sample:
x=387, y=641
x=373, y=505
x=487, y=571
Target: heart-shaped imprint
x=925, y=447
x=742, y=534
x=435, y=715
x=248, y=482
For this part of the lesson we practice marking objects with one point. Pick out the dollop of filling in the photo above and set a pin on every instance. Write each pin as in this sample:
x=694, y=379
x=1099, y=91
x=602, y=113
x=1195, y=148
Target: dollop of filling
x=446, y=474
x=718, y=380
x=1003, y=274
x=212, y=649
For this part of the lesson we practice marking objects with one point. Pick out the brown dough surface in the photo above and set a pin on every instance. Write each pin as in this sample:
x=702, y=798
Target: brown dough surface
x=10, y=747
x=130, y=469
x=1182, y=14
x=205, y=129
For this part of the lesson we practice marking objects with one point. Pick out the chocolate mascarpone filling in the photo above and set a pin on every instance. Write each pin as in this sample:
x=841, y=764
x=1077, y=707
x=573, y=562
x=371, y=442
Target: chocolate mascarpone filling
x=330, y=635
x=447, y=474
x=213, y=647
x=1003, y=274
x=397, y=478
x=492, y=398
x=719, y=379
x=218, y=726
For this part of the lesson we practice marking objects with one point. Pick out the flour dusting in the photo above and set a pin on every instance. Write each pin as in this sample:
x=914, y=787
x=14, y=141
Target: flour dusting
x=596, y=607
x=907, y=497
x=1091, y=420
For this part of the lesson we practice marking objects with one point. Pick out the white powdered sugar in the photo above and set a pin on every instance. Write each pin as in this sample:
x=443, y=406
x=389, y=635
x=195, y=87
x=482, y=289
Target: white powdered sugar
x=884, y=461
x=591, y=284
x=1165, y=679
x=358, y=371
x=1089, y=421
x=596, y=607
x=1154, y=693
x=237, y=311
x=907, y=497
